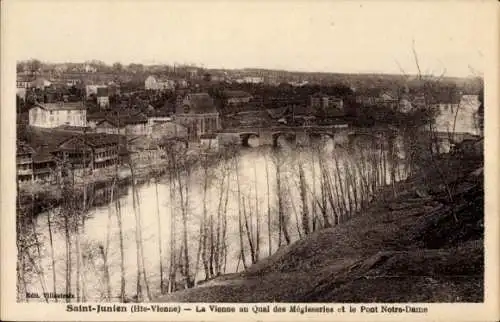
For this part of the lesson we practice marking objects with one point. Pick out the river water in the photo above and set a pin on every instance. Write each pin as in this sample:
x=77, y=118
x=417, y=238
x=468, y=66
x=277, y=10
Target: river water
x=243, y=185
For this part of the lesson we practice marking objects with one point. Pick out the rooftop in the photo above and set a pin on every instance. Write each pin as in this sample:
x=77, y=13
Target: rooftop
x=61, y=106
x=91, y=139
x=70, y=128
x=124, y=120
x=200, y=103
x=102, y=91
x=24, y=148
x=43, y=155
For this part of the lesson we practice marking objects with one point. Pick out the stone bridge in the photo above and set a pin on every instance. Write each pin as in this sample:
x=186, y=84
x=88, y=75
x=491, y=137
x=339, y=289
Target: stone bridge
x=271, y=135
x=341, y=135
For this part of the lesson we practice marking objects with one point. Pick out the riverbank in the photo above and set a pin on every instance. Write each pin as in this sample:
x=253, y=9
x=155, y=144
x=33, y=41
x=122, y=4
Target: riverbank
x=424, y=245
x=41, y=195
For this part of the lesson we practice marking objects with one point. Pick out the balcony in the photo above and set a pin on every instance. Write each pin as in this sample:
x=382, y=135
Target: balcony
x=42, y=171
x=24, y=160
x=105, y=158
x=24, y=172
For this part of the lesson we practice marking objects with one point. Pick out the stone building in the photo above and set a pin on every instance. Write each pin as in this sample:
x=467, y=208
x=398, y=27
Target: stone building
x=51, y=115
x=198, y=114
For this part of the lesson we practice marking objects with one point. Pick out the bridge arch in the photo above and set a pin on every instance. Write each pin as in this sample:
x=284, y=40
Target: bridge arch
x=291, y=136
x=245, y=136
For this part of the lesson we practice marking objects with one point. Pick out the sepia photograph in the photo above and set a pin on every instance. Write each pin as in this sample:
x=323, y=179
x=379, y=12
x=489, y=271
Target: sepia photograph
x=248, y=152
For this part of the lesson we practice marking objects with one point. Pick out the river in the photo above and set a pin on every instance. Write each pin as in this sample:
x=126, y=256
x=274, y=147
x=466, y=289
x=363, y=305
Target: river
x=257, y=184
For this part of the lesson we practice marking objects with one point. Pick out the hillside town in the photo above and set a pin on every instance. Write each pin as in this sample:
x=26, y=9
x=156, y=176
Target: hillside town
x=90, y=117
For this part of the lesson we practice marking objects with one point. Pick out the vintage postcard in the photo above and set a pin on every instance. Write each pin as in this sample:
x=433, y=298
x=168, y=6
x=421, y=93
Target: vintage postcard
x=249, y=160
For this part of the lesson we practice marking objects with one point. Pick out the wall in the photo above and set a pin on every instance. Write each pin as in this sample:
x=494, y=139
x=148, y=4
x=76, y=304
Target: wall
x=53, y=118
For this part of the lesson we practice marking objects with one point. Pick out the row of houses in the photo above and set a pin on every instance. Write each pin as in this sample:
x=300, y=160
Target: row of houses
x=196, y=112
x=49, y=155
x=156, y=82
x=404, y=102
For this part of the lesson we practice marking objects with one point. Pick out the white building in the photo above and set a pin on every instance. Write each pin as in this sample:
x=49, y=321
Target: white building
x=102, y=97
x=90, y=69
x=253, y=79
x=92, y=89
x=52, y=115
x=459, y=118
x=158, y=84
x=326, y=102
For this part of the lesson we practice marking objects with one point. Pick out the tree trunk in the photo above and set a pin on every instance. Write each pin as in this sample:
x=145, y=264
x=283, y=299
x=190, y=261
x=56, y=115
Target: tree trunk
x=160, y=249
x=257, y=218
x=54, y=282
x=303, y=197
x=270, y=247
x=240, y=223
x=281, y=214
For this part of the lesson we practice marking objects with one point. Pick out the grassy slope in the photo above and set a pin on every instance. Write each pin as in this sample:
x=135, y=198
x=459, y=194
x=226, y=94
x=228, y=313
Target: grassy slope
x=407, y=249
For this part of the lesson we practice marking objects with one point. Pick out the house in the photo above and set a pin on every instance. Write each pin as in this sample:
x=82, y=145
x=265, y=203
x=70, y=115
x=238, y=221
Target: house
x=158, y=84
x=182, y=83
x=23, y=81
x=445, y=101
x=24, y=162
x=95, y=117
x=23, y=84
x=70, y=82
x=199, y=114
x=467, y=115
x=91, y=89
x=144, y=149
x=368, y=96
x=253, y=80
x=158, y=116
x=124, y=124
x=193, y=73
x=102, y=97
x=325, y=102
x=90, y=69
x=40, y=83
x=45, y=166
x=470, y=102
x=237, y=97
x=388, y=100
x=37, y=155
x=109, y=126
x=21, y=93
x=90, y=151
x=50, y=115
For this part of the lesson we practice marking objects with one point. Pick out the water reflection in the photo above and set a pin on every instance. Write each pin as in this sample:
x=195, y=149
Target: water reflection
x=271, y=189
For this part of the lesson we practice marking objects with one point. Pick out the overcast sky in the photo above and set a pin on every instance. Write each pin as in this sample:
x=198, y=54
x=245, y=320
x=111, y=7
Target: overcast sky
x=333, y=36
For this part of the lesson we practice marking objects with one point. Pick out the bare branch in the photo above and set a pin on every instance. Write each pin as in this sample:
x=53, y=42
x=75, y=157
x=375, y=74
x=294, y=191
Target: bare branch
x=415, y=56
